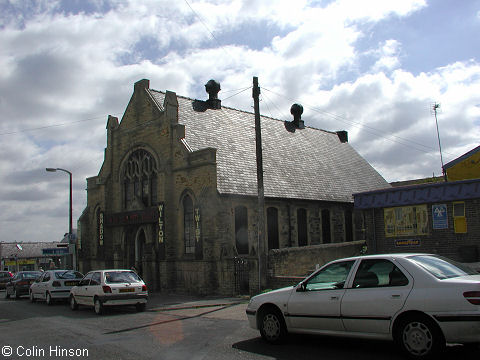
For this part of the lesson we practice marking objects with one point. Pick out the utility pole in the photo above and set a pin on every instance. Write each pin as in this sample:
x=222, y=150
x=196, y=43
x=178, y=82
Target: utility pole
x=260, y=188
x=434, y=108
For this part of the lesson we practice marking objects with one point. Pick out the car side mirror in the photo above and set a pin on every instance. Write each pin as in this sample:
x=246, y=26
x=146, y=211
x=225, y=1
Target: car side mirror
x=302, y=287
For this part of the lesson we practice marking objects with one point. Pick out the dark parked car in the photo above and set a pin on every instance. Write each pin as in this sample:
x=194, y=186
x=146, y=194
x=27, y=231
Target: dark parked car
x=20, y=284
x=5, y=277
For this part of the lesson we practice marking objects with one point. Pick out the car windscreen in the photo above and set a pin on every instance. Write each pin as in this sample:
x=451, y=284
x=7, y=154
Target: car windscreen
x=442, y=268
x=115, y=277
x=31, y=275
x=68, y=275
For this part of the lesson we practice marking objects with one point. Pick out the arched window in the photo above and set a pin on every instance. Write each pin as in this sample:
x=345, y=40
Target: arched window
x=140, y=179
x=348, y=225
x=272, y=225
x=359, y=225
x=326, y=233
x=241, y=229
x=188, y=225
x=302, y=227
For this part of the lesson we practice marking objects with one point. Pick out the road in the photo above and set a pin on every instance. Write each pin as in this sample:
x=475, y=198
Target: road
x=175, y=329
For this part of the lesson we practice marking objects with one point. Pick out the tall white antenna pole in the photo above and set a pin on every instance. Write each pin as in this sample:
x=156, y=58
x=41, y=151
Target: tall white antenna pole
x=435, y=107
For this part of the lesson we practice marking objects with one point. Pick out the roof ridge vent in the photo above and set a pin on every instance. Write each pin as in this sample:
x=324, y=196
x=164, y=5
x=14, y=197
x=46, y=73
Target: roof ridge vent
x=212, y=87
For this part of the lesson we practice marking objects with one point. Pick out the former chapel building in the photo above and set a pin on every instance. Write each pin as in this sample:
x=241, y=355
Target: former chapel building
x=176, y=196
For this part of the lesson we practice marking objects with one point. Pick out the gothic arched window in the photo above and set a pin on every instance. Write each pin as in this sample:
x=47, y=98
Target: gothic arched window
x=272, y=226
x=302, y=227
x=140, y=179
x=188, y=225
x=241, y=230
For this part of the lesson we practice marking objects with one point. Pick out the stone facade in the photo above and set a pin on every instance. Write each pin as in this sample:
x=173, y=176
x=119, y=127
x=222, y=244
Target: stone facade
x=164, y=202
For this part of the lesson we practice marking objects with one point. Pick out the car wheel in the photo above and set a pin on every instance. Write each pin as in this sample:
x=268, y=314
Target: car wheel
x=419, y=337
x=272, y=326
x=32, y=298
x=73, y=303
x=140, y=307
x=48, y=299
x=98, y=306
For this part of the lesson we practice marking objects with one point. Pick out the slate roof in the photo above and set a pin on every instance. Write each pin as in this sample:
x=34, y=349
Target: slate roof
x=310, y=164
x=29, y=250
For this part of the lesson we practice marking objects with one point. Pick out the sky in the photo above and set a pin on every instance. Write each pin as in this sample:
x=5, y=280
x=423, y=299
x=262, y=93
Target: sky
x=373, y=67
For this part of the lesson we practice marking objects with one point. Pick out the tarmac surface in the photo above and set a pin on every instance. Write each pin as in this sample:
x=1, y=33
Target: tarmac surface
x=232, y=308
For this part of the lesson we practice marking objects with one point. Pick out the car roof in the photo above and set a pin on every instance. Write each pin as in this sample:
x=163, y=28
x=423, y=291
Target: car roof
x=383, y=256
x=103, y=270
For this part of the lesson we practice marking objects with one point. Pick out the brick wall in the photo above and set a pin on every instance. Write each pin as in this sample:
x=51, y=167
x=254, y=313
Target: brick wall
x=445, y=242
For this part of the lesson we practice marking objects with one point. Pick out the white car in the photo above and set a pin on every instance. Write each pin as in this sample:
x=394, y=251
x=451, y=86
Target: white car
x=53, y=285
x=420, y=301
x=114, y=287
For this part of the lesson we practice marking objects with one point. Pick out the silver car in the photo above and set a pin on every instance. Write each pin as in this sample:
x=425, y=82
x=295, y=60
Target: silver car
x=420, y=301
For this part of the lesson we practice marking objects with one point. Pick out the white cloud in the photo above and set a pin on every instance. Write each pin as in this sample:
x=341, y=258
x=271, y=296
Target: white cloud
x=64, y=67
x=388, y=56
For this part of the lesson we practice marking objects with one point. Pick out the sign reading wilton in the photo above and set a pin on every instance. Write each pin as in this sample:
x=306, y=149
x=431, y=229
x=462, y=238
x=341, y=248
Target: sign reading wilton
x=161, y=223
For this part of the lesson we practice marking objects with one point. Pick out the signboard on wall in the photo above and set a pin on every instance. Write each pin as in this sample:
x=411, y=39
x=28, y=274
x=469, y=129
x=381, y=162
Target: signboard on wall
x=406, y=221
x=161, y=223
x=198, y=234
x=161, y=231
x=101, y=229
x=407, y=242
x=132, y=217
x=440, y=216
x=19, y=262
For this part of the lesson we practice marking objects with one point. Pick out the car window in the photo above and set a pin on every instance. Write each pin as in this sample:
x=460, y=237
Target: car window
x=95, y=279
x=442, y=268
x=46, y=277
x=31, y=275
x=112, y=277
x=86, y=280
x=378, y=272
x=69, y=274
x=332, y=276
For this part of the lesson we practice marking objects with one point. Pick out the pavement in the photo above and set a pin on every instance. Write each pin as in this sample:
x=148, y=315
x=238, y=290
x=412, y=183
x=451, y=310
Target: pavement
x=188, y=306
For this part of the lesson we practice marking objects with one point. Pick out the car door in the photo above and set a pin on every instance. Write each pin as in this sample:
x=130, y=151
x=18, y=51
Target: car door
x=35, y=288
x=81, y=290
x=379, y=290
x=43, y=284
x=95, y=286
x=315, y=304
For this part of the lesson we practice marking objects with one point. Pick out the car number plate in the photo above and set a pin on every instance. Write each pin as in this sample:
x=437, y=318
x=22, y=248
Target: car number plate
x=127, y=290
x=70, y=283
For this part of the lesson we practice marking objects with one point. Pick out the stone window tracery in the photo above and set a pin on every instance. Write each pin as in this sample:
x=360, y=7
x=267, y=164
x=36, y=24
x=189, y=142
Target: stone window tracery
x=140, y=179
x=188, y=225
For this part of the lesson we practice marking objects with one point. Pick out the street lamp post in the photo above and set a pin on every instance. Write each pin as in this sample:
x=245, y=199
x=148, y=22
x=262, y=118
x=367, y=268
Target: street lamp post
x=70, y=240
